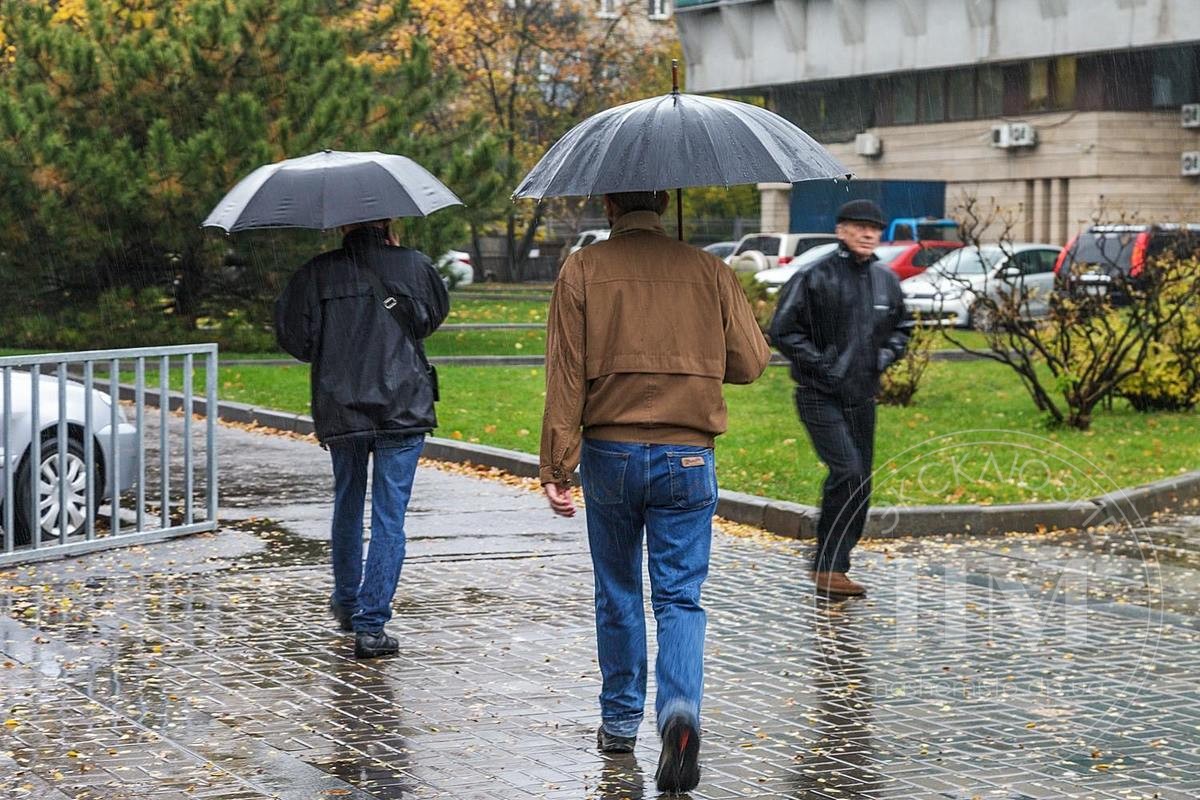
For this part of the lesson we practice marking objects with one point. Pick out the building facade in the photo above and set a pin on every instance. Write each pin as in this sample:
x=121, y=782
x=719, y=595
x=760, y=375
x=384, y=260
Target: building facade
x=1059, y=111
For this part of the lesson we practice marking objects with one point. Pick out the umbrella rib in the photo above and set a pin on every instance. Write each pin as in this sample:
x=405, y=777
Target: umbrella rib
x=819, y=151
x=712, y=143
x=617, y=128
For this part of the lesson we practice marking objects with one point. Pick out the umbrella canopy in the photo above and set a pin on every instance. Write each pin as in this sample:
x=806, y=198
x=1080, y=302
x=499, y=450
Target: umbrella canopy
x=329, y=189
x=676, y=141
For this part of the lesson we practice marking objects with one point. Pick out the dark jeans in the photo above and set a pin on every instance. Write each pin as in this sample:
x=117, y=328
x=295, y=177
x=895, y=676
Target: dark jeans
x=843, y=434
x=369, y=592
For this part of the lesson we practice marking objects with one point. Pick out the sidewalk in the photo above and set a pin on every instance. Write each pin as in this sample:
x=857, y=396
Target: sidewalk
x=1037, y=667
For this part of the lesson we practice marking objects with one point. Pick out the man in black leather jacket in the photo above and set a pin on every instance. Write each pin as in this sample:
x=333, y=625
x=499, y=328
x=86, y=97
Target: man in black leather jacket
x=838, y=322
x=372, y=397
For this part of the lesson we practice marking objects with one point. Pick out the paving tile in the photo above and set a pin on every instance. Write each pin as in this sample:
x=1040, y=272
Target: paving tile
x=964, y=673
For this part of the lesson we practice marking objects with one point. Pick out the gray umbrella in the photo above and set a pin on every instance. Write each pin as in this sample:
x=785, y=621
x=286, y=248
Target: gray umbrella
x=328, y=189
x=675, y=141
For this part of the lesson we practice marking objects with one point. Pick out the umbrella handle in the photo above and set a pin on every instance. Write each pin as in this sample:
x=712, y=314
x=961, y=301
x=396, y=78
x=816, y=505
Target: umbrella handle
x=679, y=213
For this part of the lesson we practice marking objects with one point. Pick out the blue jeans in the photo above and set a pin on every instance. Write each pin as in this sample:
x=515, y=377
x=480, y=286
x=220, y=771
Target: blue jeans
x=370, y=592
x=670, y=492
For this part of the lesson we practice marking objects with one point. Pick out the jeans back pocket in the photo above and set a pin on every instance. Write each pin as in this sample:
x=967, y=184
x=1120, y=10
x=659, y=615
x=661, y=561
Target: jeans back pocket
x=693, y=477
x=603, y=473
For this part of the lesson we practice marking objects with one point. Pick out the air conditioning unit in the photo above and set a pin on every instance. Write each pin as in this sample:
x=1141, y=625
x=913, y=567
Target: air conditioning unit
x=1189, y=163
x=1189, y=115
x=868, y=145
x=1013, y=134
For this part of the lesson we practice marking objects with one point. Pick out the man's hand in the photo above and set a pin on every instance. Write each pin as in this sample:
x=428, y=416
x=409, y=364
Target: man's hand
x=560, y=499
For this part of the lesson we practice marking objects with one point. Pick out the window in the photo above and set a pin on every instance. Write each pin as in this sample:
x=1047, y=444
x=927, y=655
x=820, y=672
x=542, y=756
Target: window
x=660, y=9
x=1063, y=94
x=767, y=245
x=928, y=255
x=933, y=97
x=834, y=111
x=608, y=9
x=1172, y=76
x=960, y=94
x=1044, y=84
x=1037, y=92
x=989, y=92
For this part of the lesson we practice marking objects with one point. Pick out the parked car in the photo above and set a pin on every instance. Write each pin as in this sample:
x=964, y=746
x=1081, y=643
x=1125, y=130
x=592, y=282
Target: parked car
x=1105, y=254
x=946, y=293
x=75, y=469
x=721, y=249
x=907, y=259
x=589, y=237
x=756, y=252
x=915, y=229
x=777, y=277
x=455, y=268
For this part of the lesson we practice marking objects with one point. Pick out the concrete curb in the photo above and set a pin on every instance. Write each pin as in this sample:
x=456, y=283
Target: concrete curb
x=794, y=520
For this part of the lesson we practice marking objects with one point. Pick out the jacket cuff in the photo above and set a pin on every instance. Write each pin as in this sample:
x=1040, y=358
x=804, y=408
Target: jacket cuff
x=554, y=474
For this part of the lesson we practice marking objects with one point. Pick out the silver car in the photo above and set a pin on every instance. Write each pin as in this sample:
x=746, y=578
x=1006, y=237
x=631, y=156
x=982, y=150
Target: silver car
x=73, y=469
x=946, y=293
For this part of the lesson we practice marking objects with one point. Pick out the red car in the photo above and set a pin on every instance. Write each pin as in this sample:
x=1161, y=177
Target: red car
x=911, y=258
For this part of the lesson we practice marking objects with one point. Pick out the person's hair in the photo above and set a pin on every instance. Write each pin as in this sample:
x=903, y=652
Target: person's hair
x=382, y=224
x=628, y=202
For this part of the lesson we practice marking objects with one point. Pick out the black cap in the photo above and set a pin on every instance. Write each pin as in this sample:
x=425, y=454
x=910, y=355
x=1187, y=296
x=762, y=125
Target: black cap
x=862, y=211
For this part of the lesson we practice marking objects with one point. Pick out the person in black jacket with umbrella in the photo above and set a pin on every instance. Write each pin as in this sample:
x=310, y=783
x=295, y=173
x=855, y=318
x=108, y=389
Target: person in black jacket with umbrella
x=359, y=315
x=839, y=324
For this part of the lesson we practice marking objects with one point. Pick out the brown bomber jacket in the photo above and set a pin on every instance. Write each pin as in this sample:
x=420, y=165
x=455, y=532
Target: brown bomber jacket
x=642, y=331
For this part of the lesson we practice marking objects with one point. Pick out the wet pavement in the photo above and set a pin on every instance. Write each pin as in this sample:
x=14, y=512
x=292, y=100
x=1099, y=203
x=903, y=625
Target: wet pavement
x=1004, y=667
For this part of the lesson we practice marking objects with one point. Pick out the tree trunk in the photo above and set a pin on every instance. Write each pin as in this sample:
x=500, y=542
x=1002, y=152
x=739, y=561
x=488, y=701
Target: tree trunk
x=477, y=254
x=510, y=247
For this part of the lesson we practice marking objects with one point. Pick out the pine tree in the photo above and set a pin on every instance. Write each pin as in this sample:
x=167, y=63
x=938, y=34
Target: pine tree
x=122, y=122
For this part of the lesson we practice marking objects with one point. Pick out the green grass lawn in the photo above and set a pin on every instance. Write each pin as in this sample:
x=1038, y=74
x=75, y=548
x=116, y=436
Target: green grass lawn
x=972, y=436
x=527, y=342
x=497, y=310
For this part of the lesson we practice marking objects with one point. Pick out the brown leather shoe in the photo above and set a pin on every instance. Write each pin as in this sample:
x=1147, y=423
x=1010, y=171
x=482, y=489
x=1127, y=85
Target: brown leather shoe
x=837, y=583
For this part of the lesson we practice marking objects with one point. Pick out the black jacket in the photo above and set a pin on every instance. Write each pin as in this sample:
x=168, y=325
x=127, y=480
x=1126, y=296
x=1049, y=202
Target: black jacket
x=838, y=322
x=367, y=377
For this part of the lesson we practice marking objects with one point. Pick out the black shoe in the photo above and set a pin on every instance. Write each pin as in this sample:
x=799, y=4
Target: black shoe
x=373, y=645
x=679, y=762
x=611, y=743
x=342, y=616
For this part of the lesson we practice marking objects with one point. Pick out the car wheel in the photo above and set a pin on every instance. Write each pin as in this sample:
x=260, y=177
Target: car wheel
x=50, y=477
x=750, y=261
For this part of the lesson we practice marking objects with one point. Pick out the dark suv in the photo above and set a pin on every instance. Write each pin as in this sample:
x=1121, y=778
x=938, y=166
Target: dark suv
x=1105, y=259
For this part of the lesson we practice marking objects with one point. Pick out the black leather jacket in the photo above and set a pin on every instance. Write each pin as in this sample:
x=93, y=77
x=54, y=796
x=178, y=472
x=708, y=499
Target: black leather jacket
x=367, y=378
x=838, y=323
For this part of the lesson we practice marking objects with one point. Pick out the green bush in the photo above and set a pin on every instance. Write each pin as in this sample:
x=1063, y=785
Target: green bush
x=899, y=383
x=762, y=301
x=123, y=317
x=1169, y=378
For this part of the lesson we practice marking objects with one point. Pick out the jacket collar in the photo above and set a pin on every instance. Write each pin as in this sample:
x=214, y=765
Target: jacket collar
x=638, y=221
x=844, y=252
x=362, y=238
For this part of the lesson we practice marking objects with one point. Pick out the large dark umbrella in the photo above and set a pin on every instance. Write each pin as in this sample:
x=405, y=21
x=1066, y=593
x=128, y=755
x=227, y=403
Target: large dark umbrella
x=328, y=189
x=675, y=141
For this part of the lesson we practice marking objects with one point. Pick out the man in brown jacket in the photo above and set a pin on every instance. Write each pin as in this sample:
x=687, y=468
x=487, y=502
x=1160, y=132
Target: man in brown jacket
x=642, y=332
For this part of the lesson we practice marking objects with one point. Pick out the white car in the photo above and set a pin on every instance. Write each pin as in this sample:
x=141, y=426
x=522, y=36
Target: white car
x=589, y=237
x=756, y=252
x=455, y=268
x=946, y=293
x=776, y=278
x=74, y=470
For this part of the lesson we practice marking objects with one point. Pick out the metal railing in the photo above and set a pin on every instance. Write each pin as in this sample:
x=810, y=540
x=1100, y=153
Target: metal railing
x=67, y=447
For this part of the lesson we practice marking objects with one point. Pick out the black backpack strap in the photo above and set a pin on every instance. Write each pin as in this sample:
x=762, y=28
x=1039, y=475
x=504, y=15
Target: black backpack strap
x=392, y=305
